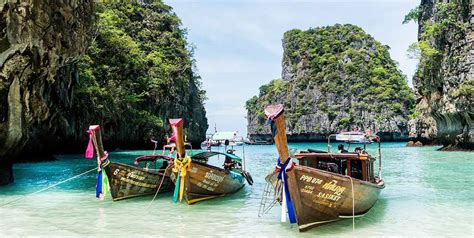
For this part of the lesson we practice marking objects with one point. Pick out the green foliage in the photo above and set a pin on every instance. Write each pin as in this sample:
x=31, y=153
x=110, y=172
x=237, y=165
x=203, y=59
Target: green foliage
x=138, y=72
x=447, y=17
x=466, y=89
x=413, y=15
x=347, y=66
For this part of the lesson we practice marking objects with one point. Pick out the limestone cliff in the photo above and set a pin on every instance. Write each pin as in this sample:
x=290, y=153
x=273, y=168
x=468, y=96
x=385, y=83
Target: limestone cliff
x=335, y=78
x=37, y=38
x=444, y=82
x=137, y=73
x=67, y=64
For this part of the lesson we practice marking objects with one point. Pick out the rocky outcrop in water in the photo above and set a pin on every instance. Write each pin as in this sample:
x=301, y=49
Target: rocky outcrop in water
x=37, y=38
x=334, y=78
x=444, y=82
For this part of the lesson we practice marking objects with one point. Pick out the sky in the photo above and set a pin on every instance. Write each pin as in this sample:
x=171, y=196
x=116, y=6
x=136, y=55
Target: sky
x=237, y=44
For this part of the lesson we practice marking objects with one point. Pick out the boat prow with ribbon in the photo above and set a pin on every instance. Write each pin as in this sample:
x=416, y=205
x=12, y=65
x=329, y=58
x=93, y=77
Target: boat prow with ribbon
x=197, y=180
x=324, y=186
x=148, y=174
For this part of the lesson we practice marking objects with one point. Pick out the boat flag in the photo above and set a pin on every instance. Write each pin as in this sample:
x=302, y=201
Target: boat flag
x=90, y=146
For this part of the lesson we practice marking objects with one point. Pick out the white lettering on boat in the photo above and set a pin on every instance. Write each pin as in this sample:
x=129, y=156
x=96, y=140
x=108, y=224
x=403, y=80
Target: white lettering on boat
x=308, y=189
x=329, y=196
x=310, y=179
x=133, y=175
x=137, y=183
x=209, y=185
x=215, y=177
x=333, y=187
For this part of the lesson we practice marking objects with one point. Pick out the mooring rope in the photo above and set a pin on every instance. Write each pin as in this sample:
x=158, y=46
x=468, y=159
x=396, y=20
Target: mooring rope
x=44, y=189
x=159, y=187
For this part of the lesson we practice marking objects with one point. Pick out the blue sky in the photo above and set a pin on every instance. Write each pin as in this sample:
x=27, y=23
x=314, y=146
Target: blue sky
x=238, y=43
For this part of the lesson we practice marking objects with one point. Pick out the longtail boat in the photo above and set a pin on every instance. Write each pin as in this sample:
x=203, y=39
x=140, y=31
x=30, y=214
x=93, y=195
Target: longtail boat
x=197, y=180
x=124, y=180
x=324, y=186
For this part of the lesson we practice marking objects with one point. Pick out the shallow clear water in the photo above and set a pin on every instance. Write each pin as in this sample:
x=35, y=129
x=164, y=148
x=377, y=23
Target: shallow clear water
x=428, y=193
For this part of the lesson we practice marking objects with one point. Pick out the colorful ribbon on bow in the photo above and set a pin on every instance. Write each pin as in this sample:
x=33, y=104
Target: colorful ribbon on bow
x=102, y=186
x=282, y=169
x=181, y=167
x=90, y=146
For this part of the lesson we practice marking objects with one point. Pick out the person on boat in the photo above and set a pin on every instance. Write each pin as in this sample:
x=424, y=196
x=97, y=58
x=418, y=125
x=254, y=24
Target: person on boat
x=342, y=162
x=208, y=147
x=228, y=163
x=340, y=149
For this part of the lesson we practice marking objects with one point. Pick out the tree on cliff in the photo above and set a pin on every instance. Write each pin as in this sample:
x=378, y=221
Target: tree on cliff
x=137, y=73
x=444, y=80
x=335, y=78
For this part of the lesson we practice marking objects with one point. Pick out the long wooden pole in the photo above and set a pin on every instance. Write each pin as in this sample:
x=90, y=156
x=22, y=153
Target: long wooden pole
x=97, y=140
x=280, y=137
x=177, y=125
x=275, y=113
x=180, y=141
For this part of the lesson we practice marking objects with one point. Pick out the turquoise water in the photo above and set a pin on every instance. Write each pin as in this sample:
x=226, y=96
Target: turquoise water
x=428, y=193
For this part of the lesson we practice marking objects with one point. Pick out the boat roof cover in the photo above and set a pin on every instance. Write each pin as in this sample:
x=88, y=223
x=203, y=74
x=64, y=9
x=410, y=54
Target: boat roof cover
x=353, y=137
x=224, y=135
x=207, y=154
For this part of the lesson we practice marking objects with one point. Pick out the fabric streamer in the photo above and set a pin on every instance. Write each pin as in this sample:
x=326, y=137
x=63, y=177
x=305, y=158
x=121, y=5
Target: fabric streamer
x=282, y=169
x=176, y=187
x=90, y=147
x=102, y=185
x=180, y=167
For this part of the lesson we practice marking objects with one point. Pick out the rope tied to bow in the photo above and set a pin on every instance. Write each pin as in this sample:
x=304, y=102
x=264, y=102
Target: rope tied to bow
x=180, y=167
x=282, y=169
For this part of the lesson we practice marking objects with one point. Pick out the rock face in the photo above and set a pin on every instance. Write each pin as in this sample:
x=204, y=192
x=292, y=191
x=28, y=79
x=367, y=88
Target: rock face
x=444, y=82
x=37, y=38
x=67, y=64
x=137, y=73
x=334, y=78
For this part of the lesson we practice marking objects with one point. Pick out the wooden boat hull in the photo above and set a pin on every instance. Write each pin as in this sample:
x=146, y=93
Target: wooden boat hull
x=127, y=181
x=205, y=182
x=319, y=196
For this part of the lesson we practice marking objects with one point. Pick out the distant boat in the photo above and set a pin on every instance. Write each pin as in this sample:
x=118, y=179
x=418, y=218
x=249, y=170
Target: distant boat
x=319, y=189
x=127, y=181
x=223, y=137
x=259, y=142
x=197, y=180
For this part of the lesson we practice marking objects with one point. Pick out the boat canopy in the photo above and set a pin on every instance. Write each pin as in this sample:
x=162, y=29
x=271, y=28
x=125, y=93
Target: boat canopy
x=205, y=155
x=353, y=137
x=224, y=135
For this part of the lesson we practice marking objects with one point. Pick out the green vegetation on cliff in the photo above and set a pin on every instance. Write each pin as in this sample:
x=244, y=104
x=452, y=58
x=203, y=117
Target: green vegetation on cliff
x=337, y=77
x=434, y=36
x=444, y=81
x=137, y=73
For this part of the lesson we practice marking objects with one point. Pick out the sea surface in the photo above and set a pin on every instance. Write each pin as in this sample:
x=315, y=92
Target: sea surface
x=428, y=193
